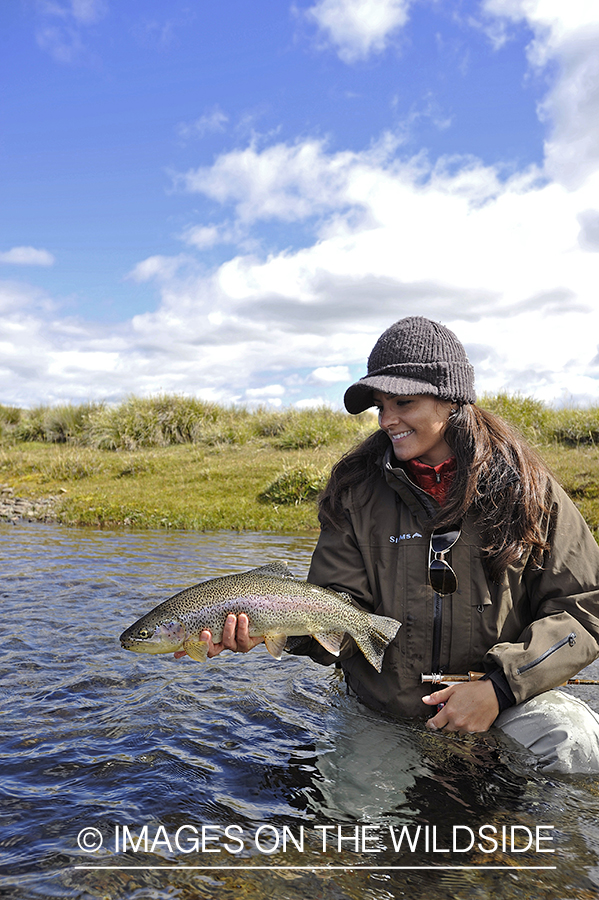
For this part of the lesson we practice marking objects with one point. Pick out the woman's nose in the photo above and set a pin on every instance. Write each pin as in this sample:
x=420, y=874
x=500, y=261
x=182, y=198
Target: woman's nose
x=387, y=415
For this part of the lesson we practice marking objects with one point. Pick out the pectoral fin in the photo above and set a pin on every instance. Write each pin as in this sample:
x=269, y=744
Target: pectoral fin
x=275, y=644
x=331, y=641
x=196, y=648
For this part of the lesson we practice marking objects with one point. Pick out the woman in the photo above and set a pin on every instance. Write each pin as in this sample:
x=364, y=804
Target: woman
x=448, y=521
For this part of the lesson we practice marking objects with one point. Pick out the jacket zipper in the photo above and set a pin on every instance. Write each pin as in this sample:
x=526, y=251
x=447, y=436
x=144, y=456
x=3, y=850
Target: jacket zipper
x=570, y=639
x=430, y=511
x=437, y=619
x=424, y=498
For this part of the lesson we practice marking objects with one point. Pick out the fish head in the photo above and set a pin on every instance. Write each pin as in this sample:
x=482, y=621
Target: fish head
x=149, y=635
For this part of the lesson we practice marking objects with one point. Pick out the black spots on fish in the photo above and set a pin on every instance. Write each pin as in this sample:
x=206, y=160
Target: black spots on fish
x=373, y=641
x=277, y=605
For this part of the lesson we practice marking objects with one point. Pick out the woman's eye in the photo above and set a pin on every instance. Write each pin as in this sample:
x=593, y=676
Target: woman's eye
x=397, y=403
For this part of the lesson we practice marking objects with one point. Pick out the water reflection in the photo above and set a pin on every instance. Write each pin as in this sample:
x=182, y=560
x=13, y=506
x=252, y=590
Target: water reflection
x=142, y=749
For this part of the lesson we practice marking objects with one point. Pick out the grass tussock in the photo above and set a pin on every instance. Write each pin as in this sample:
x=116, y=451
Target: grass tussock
x=577, y=427
x=54, y=424
x=180, y=462
x=295, y=485
x=541, y=424
x=167, y=420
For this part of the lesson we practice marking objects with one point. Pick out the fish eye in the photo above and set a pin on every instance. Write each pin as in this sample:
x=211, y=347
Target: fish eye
x=143, y=633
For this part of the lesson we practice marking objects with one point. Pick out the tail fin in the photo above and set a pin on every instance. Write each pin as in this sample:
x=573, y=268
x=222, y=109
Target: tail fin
x=374, y=639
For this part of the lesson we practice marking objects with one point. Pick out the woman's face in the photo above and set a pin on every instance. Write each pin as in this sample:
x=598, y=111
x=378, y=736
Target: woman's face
x=416, y=424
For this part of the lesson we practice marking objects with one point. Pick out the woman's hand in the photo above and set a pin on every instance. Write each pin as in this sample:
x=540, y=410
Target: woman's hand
x=235, y=637
x=469, y=707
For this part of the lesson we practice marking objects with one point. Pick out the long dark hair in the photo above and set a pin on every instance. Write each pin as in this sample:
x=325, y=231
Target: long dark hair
x=499, y=478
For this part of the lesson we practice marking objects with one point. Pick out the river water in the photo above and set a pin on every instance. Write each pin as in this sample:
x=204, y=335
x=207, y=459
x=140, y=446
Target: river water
x=124, y=776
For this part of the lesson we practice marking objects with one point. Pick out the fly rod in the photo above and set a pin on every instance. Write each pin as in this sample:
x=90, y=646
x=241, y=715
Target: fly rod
x=438, y=678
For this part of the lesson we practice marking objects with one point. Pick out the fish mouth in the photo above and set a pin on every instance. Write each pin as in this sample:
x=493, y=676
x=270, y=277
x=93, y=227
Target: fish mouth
x=167, y=637
x=145, y=647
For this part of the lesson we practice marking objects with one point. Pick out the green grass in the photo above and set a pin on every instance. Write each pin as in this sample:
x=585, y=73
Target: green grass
x=167, y=420
x=295, y=485
x=175, y=462
x=185, y=486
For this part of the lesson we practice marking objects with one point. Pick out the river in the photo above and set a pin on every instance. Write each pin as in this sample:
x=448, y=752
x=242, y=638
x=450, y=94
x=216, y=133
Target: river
x=127, y=776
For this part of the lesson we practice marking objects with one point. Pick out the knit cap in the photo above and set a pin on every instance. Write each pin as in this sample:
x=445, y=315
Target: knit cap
x=415, y=356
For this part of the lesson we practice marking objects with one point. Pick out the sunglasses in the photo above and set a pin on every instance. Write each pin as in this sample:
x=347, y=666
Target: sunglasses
x=441, y=576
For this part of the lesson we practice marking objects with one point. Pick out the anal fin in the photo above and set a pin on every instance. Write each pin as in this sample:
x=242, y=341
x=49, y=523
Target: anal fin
x=330, y=640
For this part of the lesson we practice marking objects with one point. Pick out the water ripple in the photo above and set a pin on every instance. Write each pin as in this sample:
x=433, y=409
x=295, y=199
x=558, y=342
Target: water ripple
x=96, y=738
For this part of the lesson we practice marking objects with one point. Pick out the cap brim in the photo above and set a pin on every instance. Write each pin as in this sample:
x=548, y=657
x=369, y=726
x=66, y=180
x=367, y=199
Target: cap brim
x=359, y=397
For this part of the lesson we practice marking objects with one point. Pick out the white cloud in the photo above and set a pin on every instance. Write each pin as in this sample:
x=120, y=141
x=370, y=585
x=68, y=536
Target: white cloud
x=83, y=12
x=162, y=268
x=509, y=264
x=88, y=11
x=588, y=237
x=500, y=262
x=281, y=182
x=497, y=260
x=271, y=395
x=204, y=236
x=213, y=121
x=566, y=36
x=311, y=403
x=271, y=390
x=359, y=28
x=60, y=27
x=330, y=374
x=27, y=256
x=286, y=182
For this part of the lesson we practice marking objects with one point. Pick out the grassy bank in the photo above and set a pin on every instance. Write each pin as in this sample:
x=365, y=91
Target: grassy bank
x=173, y=462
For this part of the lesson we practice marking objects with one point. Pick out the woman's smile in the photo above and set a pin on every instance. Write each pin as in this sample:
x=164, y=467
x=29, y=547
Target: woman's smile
x=416, y=426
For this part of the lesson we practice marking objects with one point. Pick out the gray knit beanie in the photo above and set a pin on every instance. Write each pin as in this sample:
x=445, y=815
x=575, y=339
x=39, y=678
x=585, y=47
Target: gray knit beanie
x=415, y=356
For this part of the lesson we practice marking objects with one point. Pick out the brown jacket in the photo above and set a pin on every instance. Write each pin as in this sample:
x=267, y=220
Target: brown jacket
x=540, y=626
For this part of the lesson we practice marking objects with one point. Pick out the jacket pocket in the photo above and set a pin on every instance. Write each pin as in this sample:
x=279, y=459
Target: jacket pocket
x=569, y=639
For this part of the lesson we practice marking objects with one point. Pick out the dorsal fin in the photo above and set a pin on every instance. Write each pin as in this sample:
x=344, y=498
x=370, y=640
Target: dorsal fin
x=278, y=569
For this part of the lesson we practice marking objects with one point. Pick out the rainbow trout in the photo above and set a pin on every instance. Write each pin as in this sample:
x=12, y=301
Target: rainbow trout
x=277, y=606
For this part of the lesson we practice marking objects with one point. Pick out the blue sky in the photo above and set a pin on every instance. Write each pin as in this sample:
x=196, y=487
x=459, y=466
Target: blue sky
x=233, y=200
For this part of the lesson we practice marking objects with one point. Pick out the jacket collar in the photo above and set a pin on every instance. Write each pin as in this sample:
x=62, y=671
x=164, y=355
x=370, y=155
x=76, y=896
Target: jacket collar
x=435, y=480
x=416, y=499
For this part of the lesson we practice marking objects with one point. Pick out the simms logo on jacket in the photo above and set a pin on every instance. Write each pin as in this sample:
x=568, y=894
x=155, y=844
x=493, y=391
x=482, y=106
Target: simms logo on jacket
x=396, y=538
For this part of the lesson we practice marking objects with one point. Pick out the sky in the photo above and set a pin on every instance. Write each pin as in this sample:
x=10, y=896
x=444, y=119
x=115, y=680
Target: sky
x=233, y=200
